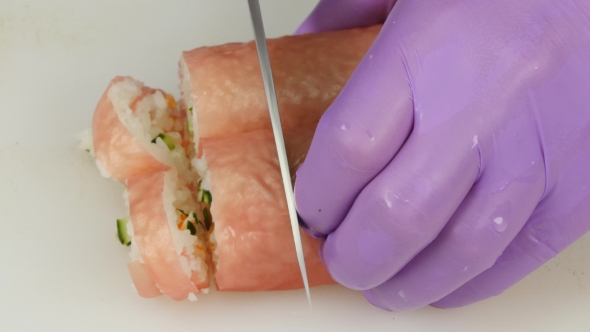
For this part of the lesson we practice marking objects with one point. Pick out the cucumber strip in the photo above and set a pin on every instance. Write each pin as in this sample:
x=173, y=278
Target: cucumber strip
x=208, y=219
x=189, y=123
x=191, y=227
x=189, y=126
x=166, y=139
x=191, y=221
x=205, y=196
x=124, y=238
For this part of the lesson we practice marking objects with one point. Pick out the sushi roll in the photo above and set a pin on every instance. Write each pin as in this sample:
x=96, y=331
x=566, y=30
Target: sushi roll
x=202, y=178
x=136, y=129
x=168, y=236
x=223, y=92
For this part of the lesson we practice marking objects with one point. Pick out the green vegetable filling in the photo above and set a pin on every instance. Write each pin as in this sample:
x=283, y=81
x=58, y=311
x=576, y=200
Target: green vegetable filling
x=166, y=139
x=189, y=126
x=191, y=221
x=208, y=219
x=191, y=227
x=124, y=238
x=204, y=195
x=189, y=123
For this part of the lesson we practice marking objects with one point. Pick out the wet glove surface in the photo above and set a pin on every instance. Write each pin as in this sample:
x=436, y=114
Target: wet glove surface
x=456, y=160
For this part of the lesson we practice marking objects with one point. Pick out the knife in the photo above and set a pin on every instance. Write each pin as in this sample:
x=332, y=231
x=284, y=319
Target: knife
x=277, y=129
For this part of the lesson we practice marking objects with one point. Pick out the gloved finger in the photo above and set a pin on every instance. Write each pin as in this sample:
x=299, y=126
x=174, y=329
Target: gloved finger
x=556, y=223
x=330, y=15
x=510, y=185
x=477, y=234
x=356, y=138
x=402, y=210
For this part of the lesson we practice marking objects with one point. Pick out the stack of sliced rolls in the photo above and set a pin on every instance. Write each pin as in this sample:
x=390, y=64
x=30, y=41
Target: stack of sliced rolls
x=203, y=186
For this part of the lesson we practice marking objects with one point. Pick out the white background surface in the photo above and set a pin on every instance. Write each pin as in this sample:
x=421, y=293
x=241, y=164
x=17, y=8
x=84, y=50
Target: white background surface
x=61, y=267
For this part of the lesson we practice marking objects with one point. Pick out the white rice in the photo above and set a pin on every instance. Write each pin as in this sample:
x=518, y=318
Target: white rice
x=85, y=141
x=199, y=164
x=150, y=119
x=103, y=172
x=192, y=297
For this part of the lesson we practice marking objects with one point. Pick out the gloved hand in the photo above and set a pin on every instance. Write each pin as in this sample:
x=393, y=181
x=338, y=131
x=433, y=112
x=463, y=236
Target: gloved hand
x=457, y=159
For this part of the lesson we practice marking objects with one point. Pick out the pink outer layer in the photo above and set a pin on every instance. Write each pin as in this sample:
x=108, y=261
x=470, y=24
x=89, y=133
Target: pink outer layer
x=255, y=246
x=308, y=70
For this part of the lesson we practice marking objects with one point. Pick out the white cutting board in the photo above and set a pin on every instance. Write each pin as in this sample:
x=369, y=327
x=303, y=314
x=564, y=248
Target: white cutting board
x=61, y=267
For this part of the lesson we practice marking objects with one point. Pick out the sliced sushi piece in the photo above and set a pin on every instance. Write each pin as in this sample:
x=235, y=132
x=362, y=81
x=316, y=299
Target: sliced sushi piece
x=136, y=129
x=254, y=248
x=223, y=92
x=168, y=239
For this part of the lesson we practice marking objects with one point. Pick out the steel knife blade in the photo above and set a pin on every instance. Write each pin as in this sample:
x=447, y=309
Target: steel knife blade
x=273, y=107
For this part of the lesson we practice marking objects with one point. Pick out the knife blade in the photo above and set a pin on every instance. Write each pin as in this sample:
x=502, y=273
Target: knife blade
x=273, y=107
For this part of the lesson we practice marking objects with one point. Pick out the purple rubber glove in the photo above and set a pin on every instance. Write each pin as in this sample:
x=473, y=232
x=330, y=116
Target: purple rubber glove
x=456, y=160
